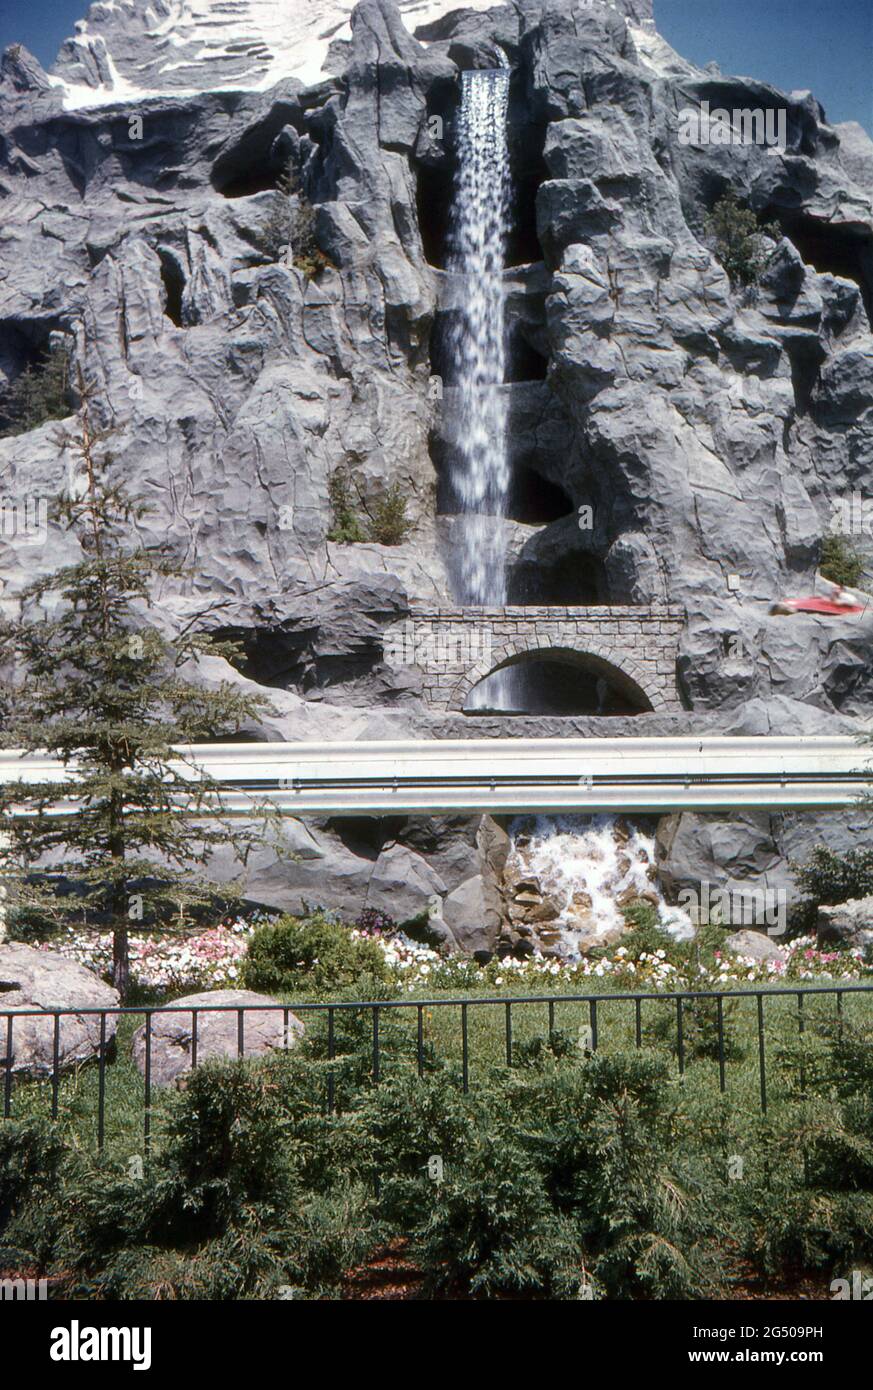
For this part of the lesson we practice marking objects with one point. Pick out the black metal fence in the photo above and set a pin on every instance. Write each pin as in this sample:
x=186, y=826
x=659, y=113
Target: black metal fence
x=45, y=1029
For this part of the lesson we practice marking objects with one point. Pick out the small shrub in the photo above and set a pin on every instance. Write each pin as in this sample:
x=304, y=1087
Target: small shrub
x=389, y=524
x=32, y=1158
x=386, y=522
x=700, y=1033
x=738, y=239
x=841, y=562
x=491, y=1230
x=646, y=935
x=313, y=954
x=828, y=878
x=346, y=527
x=606, y=1136
x=39, y=394
x=290, y=225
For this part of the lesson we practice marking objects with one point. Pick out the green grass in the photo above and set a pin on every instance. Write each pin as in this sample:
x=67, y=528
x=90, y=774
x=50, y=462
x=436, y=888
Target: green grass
x=78, y=1091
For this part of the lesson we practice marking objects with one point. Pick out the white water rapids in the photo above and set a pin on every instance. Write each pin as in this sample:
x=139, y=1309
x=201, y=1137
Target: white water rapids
x=585, y=865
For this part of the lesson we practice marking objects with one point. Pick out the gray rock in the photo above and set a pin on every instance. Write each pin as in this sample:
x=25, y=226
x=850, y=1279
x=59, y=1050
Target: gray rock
x=171, y=1043
x=754, y=945
x=847, y=924
x=404, y=885
x=751, y=851
x=473, y=916
x=31, y=979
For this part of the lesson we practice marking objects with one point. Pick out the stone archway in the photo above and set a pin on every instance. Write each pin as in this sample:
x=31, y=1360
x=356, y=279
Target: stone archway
x=456, y=648
x=618, y=671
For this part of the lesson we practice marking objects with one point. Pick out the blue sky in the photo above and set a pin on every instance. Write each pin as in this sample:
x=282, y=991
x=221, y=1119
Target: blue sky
x=791, y=43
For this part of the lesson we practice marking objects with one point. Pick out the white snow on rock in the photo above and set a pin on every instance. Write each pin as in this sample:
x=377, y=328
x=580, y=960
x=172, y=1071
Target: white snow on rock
x=133, y=49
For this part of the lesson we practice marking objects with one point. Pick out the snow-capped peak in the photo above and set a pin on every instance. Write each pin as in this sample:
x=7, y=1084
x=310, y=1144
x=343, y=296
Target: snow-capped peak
x=127, y=49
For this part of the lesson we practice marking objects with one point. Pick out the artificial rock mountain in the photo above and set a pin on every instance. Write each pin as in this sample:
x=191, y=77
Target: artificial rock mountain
x=711, y=431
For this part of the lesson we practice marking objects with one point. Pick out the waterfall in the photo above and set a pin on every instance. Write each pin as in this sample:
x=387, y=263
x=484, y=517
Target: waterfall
x=478, y=254
x=586, y=867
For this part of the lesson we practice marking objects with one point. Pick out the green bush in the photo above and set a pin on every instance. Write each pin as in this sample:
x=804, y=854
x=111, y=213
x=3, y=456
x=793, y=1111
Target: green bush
x=840, y=562
x=386, y=523
x=700, y=1032
x=290, y=225
x=491, y=1230
x=346, y=527
x=607, y=1138
x=39, y=394
x=32, y=1157
x=646, y=935
x=235, y=1204
x=389, y=524
x=313, y=954
x=828, y=878
x=738, y=239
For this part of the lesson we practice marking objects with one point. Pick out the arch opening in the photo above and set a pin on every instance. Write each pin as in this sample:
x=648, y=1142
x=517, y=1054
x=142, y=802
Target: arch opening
x=560, y=682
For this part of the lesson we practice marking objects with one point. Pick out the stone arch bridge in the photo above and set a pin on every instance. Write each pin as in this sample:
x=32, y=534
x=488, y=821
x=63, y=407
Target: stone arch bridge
x=635, y=649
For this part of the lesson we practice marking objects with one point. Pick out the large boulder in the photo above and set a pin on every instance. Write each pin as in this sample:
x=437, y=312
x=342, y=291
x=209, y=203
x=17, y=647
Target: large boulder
x=172, y=1031
x=754, y=945
x=847, y=924
x=31, y=979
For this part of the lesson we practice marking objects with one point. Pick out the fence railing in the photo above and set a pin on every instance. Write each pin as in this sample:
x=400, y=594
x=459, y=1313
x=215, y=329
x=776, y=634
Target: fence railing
x=38, y=1046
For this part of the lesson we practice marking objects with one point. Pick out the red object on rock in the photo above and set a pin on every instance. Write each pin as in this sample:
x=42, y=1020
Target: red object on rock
x=819, y=605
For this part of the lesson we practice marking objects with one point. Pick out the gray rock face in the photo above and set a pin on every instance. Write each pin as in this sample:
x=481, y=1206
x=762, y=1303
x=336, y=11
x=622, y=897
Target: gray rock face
x=171, y=1044
x=849, y=924
x=31, y=979
x=715, y=434
x=750, y=851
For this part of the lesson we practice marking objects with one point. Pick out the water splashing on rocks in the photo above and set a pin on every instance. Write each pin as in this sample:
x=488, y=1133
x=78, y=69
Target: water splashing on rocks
x=568, y=878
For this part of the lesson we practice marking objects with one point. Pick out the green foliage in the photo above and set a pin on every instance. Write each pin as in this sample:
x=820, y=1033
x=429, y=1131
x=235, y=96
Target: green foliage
x=386, y=523
x=646, y=936
x=111, y=697
x=315, y=953
x=233, y=1205
x=606, y=1137
x=39, y=394
x=290, y=226
x=490, y=1229
x=700, y=1031
x=346, y=528
x=389, y=524
x=840, y=562
x=738, y=239
x=829, y=878
x=574, y=1175
x=31, y=1158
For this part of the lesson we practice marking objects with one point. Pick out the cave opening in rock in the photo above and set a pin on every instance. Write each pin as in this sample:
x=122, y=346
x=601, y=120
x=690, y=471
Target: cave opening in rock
x=524, y=362
x=559, y=683
x=570, y=580
x=25, y=347
x=256, y=161
x=173, y=281
x=832, y=249
x=534, y=500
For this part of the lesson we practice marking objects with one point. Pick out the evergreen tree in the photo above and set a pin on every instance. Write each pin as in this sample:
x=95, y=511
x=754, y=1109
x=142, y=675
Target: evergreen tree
x=90, y=680
x=738, y=239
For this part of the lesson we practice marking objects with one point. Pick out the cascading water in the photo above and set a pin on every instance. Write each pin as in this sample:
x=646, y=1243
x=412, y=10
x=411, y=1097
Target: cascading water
x=584, y=869
x=478, y=254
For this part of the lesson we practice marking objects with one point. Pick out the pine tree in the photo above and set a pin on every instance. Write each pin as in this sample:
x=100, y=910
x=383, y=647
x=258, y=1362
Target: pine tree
x=96, y=685
x=738, y=239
